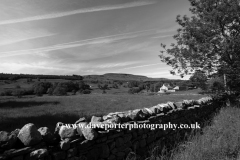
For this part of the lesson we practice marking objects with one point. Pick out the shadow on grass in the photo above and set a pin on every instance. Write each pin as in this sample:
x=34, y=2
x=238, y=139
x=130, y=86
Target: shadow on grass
x=48, y=120
x=21, y=104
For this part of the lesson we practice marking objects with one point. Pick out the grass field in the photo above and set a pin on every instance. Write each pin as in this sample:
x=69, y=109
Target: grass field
x=218, y=141
x=48, y=110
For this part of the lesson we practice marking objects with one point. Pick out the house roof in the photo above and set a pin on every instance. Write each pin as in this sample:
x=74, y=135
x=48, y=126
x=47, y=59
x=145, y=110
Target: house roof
x=167, y=85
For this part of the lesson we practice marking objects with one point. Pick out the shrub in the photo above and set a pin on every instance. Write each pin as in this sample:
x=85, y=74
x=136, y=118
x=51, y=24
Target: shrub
x=17, y=93
x=17, y=86
x=50, y=91
x=41, y=88
x=27, y=92
x=134, y=90
x=60, y=91
x=7, y=93
x=87, y=91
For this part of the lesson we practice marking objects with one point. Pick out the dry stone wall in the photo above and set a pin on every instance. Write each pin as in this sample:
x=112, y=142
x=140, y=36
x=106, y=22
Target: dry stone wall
x=84, y=143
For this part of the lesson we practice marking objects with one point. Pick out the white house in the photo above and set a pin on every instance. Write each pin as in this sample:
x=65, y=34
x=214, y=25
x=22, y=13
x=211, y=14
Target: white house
x=176, y=88
x=166, y=88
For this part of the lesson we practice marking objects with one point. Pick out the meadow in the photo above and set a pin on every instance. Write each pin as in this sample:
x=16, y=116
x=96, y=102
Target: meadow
x=48, y=110
x=219, y=140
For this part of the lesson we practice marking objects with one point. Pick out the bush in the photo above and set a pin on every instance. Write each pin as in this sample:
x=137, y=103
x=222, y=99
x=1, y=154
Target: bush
x=17, y=93
x=86, y=91
x=41, y=88
x=60, y=91
x=50, y=91
x=134, y=90
x=7, y=93
x=27, y=92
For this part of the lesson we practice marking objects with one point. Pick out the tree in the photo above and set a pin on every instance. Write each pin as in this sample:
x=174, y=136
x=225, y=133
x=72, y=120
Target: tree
x=208, y=41
x=60, y=91
x=199, y=79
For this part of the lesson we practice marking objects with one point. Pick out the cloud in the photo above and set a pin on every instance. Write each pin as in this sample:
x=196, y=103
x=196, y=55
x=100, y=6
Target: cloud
x=112, y=65
x=12, y=35
x=142, y=66
x=93, y=41
x=14, y=66
x=79, y=11
x=162, y=36
x=12, y=41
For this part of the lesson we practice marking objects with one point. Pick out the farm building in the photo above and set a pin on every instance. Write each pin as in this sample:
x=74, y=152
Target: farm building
x=166, y=88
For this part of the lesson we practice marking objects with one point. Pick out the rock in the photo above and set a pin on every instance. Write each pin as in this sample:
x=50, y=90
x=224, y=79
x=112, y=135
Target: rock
x=4, y=136
x=112, y=145
x=65, y=144
x=83, y=119
x=178, y=104
x=57, y=128
x=79, y=126
x=37, y=154
x=163, y=108
x=107, y=117
x=67, y=132
x=123, y=117
x=104, y=151
x=155, y=110
x=148, y=112
x=96, y=119
x=7, y=141
x=46, y=134
x=113, y=120
x=172, y=105
x=29, y=135
x=59, y=155
x=119, y=142
x=187, y=103
x=88, y=132
x=136, y=114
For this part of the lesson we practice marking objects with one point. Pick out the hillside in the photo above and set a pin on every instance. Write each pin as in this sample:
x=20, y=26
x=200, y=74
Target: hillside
x=124, y=77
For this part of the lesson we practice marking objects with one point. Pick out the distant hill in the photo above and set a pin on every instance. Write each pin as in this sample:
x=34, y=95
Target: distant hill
x=124, y=77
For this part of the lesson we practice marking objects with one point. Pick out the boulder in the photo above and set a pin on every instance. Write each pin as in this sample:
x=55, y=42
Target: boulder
x=107, y=117
x=47, y=136
x=67, y=132
x=64, y=144
x=123, y=117
x=79, y=126
x=83, y=119
x=163, y=108
x=96, y=119
x=178, y=105
x=113, y=120
x=104, y=153
x=29, y=135
x=136, y=115
x=37, y=154
x=3, y=136
x=88, y=132
x=57, y=128
x=149, y=112
x=172, y=105
x=7, y=140
x=187, y=103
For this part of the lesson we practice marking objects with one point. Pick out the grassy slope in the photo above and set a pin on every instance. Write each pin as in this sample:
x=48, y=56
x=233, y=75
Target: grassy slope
x=219, y=141
x=48, y=110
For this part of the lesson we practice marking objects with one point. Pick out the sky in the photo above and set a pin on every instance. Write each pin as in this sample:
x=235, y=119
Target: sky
x=87, y=37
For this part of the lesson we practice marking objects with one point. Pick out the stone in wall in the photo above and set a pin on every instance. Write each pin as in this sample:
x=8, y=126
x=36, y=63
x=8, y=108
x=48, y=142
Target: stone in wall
x=29, y=135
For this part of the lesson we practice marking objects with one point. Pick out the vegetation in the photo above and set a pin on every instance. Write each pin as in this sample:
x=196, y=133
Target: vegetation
x=219, y=140
x=48, y=110
x=208, y=41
